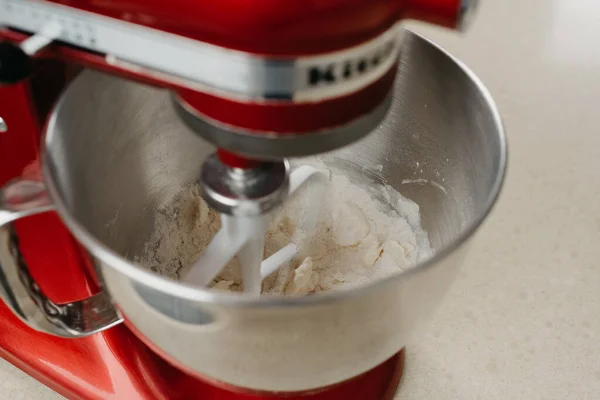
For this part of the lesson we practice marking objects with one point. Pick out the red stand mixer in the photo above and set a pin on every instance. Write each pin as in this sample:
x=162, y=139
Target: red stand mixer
x=261, y=80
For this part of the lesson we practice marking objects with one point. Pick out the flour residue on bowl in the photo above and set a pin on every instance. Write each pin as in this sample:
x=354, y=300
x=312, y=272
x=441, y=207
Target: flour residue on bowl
x=359, y=238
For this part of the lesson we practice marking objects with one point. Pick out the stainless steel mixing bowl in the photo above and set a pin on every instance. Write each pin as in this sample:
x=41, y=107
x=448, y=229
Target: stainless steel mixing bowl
x=115, y=151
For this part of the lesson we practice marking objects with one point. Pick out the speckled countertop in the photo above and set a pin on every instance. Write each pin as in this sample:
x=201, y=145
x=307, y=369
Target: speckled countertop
x=523, y=319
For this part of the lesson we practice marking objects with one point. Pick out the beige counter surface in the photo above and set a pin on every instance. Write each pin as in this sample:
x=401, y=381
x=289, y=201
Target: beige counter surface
x=522, y=321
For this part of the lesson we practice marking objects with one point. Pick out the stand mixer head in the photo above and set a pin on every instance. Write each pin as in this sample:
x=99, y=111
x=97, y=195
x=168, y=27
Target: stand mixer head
x=260, y=80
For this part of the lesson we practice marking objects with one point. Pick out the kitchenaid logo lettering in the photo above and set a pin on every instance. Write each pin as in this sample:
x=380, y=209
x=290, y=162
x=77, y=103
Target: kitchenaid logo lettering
x=349, y=69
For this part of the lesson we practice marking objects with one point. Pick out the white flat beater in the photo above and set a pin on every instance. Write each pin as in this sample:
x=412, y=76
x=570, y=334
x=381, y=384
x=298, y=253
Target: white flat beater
x=244, y=236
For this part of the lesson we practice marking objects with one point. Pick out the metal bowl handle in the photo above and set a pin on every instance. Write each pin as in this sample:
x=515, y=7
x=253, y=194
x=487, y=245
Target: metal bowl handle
x=18, y=289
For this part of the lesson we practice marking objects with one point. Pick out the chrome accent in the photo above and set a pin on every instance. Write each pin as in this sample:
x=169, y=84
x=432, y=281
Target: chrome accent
x=19, y=290
x=20, y=199
x=3, y=126
x=244, y=192
x=46, y=35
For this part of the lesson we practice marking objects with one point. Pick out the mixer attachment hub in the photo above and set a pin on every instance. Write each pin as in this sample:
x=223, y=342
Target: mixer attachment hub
x=245, y=192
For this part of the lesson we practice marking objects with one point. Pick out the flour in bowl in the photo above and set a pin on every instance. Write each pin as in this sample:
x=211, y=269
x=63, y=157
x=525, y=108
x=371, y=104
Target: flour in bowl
x=358, y=238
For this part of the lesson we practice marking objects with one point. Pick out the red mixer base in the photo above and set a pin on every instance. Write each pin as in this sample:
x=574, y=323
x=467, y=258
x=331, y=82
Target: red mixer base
x=116, y=365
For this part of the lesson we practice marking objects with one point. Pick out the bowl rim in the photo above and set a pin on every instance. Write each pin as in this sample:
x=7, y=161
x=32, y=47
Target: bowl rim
x=193, y=293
